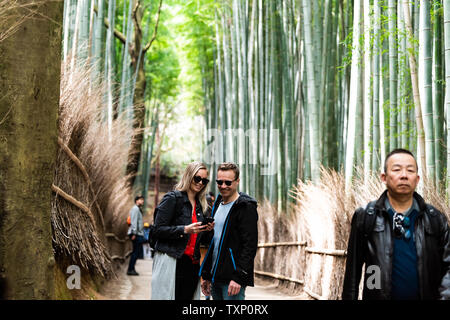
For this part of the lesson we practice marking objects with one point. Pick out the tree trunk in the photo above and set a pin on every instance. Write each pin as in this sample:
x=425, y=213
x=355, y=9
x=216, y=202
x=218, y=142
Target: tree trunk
x=137, y=63
x=30, y=83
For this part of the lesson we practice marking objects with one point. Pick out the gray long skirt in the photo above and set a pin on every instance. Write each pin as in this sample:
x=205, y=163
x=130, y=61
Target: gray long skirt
x=163, y=278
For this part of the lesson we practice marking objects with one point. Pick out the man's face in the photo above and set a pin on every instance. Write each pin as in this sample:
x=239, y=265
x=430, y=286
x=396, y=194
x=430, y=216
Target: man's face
x=401, y=177
x=227, y=175
x=140, y=202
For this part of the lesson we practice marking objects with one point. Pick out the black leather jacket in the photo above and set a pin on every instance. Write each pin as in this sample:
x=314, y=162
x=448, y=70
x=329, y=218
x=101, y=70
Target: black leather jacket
x=238, y=245
x=169, y=225
x=433, y=253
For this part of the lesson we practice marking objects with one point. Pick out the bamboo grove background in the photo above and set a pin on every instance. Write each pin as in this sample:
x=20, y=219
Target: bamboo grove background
x=344, y=82
x=290, y=85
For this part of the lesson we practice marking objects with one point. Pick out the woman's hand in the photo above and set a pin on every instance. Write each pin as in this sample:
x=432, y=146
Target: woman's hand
x=195, y=227
x=209, y=226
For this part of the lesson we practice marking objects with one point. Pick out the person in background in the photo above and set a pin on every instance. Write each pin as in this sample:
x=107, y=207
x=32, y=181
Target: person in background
x=136, y=234
x=403, y=241
x=145, y=246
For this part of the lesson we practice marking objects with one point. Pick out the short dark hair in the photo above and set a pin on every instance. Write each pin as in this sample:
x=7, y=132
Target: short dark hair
x=137, y=198
x=229, y=166
x=396, y=151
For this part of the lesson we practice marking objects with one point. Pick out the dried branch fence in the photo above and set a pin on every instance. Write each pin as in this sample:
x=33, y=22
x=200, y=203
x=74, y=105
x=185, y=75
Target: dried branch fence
x=306, y=250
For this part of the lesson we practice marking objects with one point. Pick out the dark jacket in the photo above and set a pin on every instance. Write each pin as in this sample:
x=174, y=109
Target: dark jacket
x=376, y=248
x=238, y=244
x=169, y=225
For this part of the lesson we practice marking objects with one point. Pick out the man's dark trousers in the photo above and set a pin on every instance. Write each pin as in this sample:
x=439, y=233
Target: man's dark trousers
x=137, y=244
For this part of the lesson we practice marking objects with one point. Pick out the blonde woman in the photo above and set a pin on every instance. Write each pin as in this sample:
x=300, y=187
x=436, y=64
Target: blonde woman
x=178, y=230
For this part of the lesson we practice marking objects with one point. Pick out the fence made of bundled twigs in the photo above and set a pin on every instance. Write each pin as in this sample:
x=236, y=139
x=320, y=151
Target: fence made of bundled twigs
x=305, y=250
x=117, y=249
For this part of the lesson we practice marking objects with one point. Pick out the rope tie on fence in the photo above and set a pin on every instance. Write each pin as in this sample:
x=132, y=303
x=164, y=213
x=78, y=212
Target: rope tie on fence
x=75, y=202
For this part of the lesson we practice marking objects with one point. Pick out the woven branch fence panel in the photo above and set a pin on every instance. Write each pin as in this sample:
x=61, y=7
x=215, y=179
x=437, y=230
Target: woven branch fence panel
x=305, y=248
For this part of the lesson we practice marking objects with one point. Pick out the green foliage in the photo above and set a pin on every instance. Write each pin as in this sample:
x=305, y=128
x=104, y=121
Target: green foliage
x=194, y=26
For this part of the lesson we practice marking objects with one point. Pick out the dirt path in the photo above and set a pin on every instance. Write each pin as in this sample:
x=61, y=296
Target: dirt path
x=138, y=287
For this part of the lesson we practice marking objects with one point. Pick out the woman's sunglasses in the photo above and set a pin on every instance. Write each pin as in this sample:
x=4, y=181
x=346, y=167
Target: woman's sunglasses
x=227, y=182
x=204, y=181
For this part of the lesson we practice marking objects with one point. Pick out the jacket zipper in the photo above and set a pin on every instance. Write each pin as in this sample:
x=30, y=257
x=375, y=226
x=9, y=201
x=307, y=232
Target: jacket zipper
x=210, y=245
x=232, y=259
x=220, y=246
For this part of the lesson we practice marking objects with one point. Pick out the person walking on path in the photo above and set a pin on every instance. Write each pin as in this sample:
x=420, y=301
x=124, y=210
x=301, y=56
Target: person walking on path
x=136, y=233
x=403, y=241
x=178, y=230
x=228, y=266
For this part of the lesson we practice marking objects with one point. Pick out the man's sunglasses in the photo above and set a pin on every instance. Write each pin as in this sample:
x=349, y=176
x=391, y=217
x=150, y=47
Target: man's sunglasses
x=227, y=182
x=204, y=181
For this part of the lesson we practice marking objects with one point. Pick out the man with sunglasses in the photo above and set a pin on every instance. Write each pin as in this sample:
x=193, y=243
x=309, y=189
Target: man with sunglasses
x=403, y=241
x=228, y=265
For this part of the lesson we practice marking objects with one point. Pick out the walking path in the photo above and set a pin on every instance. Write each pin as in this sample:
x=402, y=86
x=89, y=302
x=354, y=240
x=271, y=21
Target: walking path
x=138, y=287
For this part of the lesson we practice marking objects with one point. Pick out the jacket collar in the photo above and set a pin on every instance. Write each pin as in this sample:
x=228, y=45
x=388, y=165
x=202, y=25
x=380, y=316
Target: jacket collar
x=243, y=197
x=380, y=204
x=186, y=199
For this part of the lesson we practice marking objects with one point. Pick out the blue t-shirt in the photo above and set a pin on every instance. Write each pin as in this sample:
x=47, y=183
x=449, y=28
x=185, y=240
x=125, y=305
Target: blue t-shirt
x=219, y=223
x=405, y=278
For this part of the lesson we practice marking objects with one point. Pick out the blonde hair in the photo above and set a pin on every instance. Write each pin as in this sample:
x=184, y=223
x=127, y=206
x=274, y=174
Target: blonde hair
x=187, y=178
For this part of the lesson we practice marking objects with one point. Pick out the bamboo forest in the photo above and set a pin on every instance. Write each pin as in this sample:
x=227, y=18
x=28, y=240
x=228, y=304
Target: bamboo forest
x=103, y=102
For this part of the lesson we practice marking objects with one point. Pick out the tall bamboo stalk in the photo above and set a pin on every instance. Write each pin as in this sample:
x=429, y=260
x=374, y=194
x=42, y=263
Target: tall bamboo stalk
x=446, y=7
x=427, y=97
x=438, y=101
x=376, y=155
x=415, y=85
x=393, y=69
x=355, y=94
x=312, y=102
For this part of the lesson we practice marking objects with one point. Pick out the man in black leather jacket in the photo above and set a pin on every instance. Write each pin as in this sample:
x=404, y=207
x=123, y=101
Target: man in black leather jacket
x=406, y=250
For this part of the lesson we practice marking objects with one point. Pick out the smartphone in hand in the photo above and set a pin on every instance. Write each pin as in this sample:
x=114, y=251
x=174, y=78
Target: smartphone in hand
x=207, y=220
